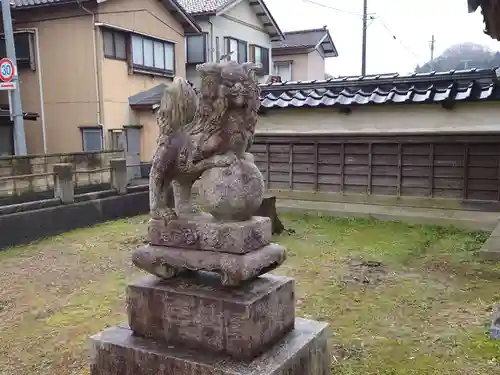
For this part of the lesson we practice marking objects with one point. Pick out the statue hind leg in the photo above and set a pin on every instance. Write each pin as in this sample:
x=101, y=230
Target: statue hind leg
x=158, y=197
x=160, y=212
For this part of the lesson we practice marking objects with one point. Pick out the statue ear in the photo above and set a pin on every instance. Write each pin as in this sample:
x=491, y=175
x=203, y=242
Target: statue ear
x=208, y=68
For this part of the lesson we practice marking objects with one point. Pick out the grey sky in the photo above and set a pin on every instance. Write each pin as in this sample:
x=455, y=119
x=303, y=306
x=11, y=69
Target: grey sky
x=412, y=22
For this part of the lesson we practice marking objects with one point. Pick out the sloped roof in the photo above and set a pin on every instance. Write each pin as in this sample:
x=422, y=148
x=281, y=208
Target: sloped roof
x=213, y=7
x=173, y=6
x=423, y=88
x=207, y=6
x=147, y=98
x=306, y=39
x=34, y=3
x=442, y=87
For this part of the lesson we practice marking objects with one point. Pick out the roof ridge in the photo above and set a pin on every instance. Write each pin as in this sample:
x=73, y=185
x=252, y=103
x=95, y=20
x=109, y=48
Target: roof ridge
x=304, y=31
x=388, y=78
x=443, y=88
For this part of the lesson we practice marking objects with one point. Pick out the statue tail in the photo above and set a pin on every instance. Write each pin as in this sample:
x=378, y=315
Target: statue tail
x=177, y=107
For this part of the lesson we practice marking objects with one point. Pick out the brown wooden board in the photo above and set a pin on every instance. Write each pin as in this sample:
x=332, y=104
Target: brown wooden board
x=464, y=168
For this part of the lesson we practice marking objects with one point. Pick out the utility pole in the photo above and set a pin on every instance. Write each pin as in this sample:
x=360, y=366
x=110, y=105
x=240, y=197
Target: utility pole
x=16, y=110
x=363, y=50
x=432, y=44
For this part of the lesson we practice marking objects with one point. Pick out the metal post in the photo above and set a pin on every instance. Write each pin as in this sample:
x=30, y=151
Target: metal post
x=363, y=50
x=17, y=112
x=432, y=44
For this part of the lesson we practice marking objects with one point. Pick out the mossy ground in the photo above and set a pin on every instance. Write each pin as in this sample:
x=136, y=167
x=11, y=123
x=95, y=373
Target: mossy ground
x=400, y=299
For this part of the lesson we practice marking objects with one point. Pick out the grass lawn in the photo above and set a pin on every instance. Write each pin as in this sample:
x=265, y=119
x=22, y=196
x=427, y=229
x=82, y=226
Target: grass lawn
x=400, y=299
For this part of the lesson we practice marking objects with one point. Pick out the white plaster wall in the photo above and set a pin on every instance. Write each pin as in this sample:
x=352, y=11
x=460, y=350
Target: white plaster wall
x=300, y=63
x=315, y=66
x=384, y=119
x=305, y=67
x=238, y=22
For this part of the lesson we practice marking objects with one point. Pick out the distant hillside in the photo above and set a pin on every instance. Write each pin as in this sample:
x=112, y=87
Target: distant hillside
x=462, y=56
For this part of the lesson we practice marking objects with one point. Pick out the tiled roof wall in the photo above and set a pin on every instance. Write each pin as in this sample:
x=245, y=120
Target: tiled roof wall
x=473, y=84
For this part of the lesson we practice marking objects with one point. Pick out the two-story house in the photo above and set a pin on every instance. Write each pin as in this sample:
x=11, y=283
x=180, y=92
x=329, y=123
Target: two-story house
x=78, y=63
x=301, y=55
x=239, y=30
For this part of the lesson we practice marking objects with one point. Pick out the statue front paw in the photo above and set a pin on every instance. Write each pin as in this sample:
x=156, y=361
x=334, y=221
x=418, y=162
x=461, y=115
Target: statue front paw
x=168, y=216
x=165, y=214
x=226, y=160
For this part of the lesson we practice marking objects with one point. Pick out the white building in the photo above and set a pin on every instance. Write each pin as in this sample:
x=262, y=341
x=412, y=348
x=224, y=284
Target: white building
x=239, y=30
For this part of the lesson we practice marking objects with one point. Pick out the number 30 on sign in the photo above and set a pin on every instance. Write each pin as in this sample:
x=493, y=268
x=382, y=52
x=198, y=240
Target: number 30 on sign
x=7, y=70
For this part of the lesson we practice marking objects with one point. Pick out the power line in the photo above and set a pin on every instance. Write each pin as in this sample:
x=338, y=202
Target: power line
x=365, y=17
x=398, y=39
x=334, y=8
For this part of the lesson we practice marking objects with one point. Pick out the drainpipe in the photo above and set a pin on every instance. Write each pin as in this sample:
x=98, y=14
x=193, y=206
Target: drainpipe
x=40, y=81
x=40, y=84
x=213, y=52
x=96, y=64
x=98, y=75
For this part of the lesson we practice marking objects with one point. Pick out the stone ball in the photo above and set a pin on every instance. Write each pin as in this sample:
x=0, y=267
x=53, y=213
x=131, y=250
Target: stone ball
x=234, y=192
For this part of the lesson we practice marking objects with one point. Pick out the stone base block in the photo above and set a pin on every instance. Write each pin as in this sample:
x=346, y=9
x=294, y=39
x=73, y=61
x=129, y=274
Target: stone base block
x=198, y=313
x=238, y=237
x=167, y=262
x=116, y=351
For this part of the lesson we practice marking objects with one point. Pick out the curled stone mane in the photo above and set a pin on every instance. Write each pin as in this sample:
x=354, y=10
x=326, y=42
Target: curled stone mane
x=177, y=107
x=218, y=83
x=212, y=103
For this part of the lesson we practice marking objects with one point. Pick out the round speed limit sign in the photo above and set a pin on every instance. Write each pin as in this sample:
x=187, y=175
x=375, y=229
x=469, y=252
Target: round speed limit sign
x=7, y=70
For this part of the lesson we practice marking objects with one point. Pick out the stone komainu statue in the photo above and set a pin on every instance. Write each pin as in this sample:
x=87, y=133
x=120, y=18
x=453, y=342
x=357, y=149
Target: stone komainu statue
x=199, y=131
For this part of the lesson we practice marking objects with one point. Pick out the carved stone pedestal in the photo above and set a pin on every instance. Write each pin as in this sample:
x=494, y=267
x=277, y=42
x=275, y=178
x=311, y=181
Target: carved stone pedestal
x=167, y=262
x=193, y=325
x=237, y=237
x=184, y=320
x=196, y=312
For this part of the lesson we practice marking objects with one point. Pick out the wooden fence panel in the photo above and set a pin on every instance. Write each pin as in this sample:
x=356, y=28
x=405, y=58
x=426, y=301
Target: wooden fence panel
x=461, y=168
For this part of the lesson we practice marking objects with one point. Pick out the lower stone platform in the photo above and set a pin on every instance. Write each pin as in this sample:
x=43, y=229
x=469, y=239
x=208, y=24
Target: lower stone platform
x=116, y=351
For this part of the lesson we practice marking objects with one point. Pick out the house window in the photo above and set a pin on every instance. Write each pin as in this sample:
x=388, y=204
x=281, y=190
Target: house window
x=260, y=55
x=284, y=70
x=92, y=139
x=6, y=140
x=196, y=48
x=152, y=55
x=236, y=50
x=25, y=50
x=116, y=139
x=144, y=54
x=115, y=44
